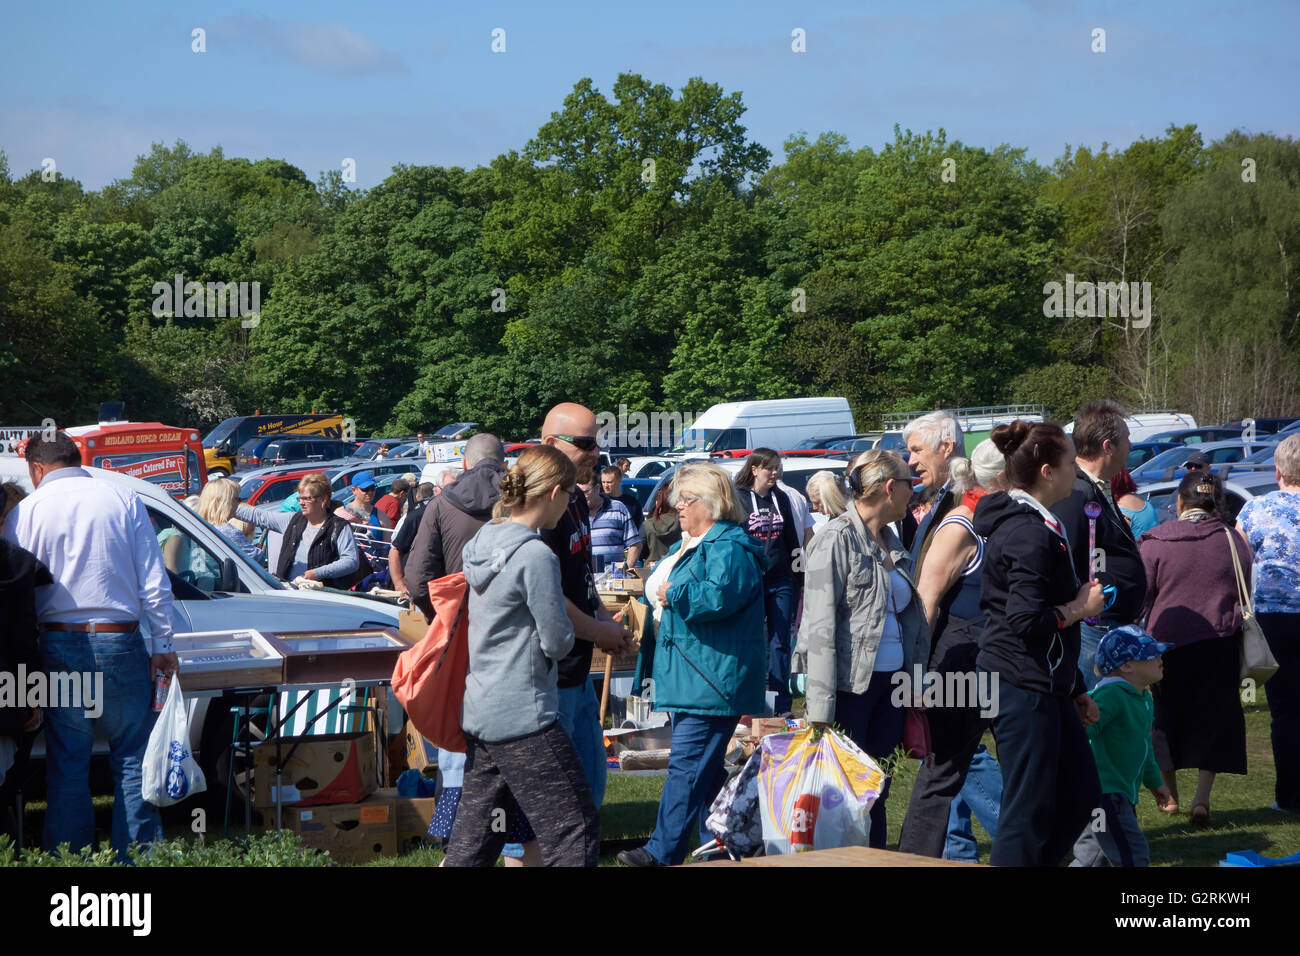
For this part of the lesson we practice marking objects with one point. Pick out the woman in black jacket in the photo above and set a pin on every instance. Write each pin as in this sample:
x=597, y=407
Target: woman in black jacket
x=1034, y=603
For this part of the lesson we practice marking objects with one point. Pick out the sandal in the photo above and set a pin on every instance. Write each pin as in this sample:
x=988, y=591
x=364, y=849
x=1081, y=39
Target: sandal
x=1200, y=816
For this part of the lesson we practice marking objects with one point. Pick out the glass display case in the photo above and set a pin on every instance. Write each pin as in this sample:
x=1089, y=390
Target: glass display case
x=318, y=657
x=221, y=660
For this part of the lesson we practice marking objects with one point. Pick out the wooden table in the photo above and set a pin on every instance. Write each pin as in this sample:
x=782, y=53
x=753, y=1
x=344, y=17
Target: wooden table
x=843, y=856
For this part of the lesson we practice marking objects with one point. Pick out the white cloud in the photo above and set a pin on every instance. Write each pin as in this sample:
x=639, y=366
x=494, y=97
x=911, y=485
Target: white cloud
x=328, y=48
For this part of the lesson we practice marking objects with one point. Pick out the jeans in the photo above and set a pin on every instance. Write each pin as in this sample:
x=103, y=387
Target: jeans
x=695, y=775
x=1089, y=637
x=779, y=606
x=982, y=795
x=875, y=725
x=1113, y=836
x=955, y=734
x=1283, y=690
x=580, y=718
x=127, y=719
x=1049, y=778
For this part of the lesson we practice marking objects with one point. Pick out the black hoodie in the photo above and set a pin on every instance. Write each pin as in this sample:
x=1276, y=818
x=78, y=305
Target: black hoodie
x=447, y=524
x=20, y=575
x=1028, y=572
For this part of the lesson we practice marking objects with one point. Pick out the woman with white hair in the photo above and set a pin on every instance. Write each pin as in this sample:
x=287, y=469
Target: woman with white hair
x=826, y=494
x=949, y=586
x=705, y=664
x=1271, y=524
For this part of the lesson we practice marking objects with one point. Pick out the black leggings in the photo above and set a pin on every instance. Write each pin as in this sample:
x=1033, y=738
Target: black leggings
x=542, y=773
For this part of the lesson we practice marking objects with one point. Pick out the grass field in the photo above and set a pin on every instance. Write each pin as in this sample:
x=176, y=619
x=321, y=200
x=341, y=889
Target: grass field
x=1240, y=809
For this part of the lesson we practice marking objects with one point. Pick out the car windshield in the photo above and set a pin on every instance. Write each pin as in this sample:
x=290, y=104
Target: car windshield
x=1173, y=458
x=453, y=430
x=1261, y=456
x=220, y=433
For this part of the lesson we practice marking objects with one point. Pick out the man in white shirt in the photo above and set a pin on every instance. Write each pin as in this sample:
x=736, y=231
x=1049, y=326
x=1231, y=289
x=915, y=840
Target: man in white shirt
x=96, y=538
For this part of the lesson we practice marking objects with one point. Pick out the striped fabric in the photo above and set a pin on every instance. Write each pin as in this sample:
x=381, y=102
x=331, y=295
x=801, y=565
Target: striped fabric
x=335, y=722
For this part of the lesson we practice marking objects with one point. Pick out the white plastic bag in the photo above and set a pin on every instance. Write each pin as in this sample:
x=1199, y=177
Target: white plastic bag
x=170, y=772
x=815, y=795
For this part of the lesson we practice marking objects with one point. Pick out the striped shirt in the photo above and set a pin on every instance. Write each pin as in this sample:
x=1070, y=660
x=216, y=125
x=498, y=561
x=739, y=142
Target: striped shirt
x=612, y=532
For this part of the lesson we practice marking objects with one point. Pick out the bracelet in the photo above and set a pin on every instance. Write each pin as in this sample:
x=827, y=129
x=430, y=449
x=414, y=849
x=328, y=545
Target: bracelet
x=1060, y=618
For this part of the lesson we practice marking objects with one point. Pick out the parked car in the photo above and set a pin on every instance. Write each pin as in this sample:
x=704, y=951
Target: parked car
x=648, y=466
x=367, y=450
x=237, y=594
x=287, y=449
x=1149, y=426
x=456, y=431
x=1262, y=460
x=795, y=471
x=340, y=478
x=271, y=488
x=1263, y=426
x=1168, y=465
x=1284, y=433
x=1144, y=451
x=1237, y=490
x=1198, y=436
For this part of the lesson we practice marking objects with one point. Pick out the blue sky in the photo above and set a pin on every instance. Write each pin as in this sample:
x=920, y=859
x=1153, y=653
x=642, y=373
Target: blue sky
x=93, y=84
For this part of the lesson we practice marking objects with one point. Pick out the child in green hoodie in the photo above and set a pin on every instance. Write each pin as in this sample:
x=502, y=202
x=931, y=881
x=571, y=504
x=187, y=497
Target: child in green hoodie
x=1129, y=660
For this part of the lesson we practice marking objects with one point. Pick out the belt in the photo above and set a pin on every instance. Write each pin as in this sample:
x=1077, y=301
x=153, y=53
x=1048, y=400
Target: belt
x=117, y=627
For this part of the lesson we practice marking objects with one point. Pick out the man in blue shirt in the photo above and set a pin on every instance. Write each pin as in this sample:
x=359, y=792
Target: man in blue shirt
x=96, y=538
x=612, y=529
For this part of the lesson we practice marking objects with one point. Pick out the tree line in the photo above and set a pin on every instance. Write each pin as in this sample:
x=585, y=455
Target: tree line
x=640, y=250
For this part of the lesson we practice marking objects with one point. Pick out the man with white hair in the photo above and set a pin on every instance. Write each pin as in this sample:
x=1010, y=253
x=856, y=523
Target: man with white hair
x=932, y=441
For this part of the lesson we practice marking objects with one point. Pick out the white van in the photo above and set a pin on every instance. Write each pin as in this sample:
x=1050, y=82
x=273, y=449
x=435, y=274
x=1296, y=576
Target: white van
x=779, y=423
x=1144, y=424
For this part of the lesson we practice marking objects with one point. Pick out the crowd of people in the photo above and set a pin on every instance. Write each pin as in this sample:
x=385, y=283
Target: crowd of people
x=1113, y=644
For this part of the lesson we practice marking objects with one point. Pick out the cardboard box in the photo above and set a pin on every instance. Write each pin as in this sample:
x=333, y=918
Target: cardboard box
x=411, y=624
x=762, y=726
x=324, y=769
x=421, y=754
x=634, y=615
x=633, y=584
x=411, y=815
x=351, y=832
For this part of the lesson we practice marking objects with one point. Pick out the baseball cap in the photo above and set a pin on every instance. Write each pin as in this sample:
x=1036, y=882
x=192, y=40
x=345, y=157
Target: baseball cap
x=1127, y=643
x=363, y=480
x=1197, y=458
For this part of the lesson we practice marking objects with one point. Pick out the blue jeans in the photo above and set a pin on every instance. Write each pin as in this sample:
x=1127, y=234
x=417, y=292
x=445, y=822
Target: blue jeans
x=695, y=776
x=580, y=718
x=1089, y=637
x=779, y=606
x=982, y=795
x=126, y=720
x=1112, y=837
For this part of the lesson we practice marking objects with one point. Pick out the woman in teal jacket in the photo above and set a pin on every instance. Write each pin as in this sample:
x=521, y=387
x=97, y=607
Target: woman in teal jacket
x=707, y=664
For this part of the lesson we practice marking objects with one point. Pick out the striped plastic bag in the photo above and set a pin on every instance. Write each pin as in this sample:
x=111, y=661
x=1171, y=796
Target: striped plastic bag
x=815, y=795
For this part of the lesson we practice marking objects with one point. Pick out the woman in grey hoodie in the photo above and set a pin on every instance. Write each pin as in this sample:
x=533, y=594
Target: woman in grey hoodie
x=518, y=756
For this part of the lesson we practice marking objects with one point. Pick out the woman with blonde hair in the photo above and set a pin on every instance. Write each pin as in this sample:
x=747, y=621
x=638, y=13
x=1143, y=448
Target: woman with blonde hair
x=863, y=620
x=518, y=756
x=706, y=665
x=826, y=493
x=217, y=505
x=318, y=545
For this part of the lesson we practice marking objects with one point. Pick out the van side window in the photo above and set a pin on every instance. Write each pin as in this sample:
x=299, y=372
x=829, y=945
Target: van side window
x=731, y=438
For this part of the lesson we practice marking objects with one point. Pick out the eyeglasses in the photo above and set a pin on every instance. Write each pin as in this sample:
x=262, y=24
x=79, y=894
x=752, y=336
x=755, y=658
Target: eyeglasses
x=310, y=497
x=584, y=442
x=687, y=499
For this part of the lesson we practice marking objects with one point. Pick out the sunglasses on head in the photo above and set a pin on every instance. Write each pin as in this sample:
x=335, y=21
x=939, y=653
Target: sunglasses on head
x=580, y=441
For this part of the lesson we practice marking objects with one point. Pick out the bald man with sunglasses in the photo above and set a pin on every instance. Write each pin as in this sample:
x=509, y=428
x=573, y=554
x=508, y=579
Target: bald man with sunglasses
x=573, y=429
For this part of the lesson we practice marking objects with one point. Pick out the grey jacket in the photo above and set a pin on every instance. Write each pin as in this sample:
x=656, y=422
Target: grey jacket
x=846, y=595
x=518, y=629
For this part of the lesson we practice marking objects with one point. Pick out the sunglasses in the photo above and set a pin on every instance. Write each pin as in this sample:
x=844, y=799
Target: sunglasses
x=581, y=441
